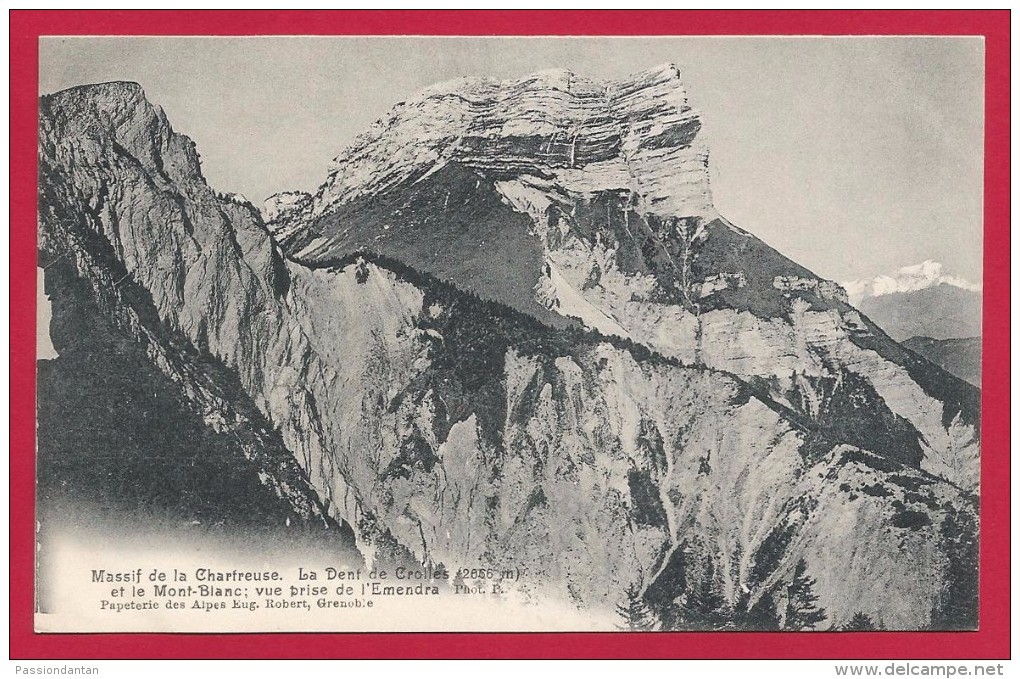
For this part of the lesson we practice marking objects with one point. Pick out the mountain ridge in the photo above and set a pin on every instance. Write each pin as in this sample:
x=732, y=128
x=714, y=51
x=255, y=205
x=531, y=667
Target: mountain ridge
x=404, y=404
x=604, y=248
x=941, y=311
x=927, y=274
x=960, y=356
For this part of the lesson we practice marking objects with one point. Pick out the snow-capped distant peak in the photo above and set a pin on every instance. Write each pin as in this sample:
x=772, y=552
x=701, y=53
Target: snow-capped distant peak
x=927, y=274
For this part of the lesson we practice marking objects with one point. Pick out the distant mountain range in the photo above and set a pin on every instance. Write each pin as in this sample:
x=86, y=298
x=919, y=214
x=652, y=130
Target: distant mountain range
x=920, y=301
x=927, y=274
x=941, y=312
x=962, y=357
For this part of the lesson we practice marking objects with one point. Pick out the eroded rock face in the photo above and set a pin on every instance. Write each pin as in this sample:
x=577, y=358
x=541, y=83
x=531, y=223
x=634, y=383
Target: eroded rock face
x=452, y=429
x=571, y=199
x=585, y=135
x=125, y=205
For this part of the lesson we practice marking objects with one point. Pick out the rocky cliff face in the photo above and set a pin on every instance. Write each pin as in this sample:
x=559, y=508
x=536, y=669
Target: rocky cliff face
x=709, y=437
x=573, y=199
x=136, y=417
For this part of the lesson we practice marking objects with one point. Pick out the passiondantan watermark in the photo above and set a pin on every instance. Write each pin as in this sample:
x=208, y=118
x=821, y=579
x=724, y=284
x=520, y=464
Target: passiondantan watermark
x=23, y=670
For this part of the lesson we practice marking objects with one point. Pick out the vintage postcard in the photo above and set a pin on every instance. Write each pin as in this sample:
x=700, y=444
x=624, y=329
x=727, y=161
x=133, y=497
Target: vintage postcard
x=531, y=334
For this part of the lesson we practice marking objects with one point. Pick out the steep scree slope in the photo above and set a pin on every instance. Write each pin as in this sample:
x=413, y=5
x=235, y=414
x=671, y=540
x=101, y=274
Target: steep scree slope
x=447, y=428
x=587, y=200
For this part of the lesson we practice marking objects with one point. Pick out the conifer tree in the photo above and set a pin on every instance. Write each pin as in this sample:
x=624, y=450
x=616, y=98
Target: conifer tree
x=637, y=617
x=802, y=611
x=859, y=623
x=957, y=608
x=705, y=607
x=702, y=607
x=761, y=617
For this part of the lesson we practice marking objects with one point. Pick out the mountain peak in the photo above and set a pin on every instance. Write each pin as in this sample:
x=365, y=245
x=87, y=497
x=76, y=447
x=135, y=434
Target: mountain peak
x=668, y=69
x=369, y=380
x=636, y=134
x=927, y=274
x=112, y=99
x=557, y=78
x=921, y=299
x=119, y=112
x=110, y=88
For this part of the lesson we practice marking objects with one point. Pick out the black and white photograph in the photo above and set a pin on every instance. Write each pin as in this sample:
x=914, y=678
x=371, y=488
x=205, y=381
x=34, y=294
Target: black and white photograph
x=419, y=334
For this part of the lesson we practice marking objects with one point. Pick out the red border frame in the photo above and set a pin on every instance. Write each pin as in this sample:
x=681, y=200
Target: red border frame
x=991, y=641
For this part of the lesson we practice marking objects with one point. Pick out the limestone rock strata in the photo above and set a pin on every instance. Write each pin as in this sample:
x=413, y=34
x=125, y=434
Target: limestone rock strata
x=465, y=431
x=571, y=199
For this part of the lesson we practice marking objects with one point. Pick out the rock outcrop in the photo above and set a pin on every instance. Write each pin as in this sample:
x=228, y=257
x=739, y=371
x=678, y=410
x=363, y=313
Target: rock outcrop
x=693, y=443
x=570, y=199
x=136, y=418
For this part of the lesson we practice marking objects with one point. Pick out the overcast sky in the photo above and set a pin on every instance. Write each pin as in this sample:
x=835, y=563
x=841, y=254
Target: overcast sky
x=852, y=156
